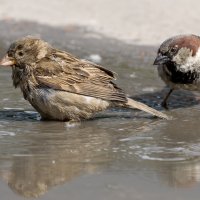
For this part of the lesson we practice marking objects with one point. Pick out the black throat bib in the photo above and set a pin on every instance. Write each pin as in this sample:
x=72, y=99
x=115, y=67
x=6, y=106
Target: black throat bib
x=179, y=77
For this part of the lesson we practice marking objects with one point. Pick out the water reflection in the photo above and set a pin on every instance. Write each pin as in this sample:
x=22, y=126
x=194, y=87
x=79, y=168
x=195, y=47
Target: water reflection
x=39, y=158
x=46, y=154
x=185, y=174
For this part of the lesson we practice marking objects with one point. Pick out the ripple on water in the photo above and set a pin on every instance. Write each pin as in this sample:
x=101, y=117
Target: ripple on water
x=162, y=153
x=6, y=133
x=164, y=149
x=9, y=108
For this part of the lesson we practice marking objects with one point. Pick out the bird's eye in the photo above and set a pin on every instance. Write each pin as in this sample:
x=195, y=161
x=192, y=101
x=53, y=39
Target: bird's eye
x=173, y=49
x=20, y=53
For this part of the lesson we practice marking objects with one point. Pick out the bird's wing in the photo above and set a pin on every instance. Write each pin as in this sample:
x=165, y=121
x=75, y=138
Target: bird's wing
x=62, y=71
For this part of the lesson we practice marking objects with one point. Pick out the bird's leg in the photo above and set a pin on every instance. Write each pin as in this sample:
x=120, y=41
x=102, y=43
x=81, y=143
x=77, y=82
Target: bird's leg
x=164, y=102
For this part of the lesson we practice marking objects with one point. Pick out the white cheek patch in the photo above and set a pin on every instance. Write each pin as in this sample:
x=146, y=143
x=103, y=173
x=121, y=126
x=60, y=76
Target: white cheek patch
x=180, y=57
x=185, y=60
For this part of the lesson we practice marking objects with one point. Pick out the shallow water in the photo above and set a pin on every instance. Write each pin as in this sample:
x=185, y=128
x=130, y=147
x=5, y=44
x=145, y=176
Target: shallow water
x=120, y=154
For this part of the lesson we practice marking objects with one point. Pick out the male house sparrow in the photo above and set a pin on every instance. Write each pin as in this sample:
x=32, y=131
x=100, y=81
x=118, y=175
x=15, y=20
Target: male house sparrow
x=178, y=61
x=62, y=87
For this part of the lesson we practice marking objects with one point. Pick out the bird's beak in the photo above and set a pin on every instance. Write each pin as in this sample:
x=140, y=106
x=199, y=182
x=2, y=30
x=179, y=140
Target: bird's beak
x=7, y=61
x=161, y=59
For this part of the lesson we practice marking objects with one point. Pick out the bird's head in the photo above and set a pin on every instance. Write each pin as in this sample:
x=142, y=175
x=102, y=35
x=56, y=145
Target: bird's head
x=183, y=51
x=24, y=52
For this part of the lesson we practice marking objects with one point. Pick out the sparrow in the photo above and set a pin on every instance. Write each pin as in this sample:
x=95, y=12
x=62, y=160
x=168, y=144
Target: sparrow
x=178, y=60
x=62, y=87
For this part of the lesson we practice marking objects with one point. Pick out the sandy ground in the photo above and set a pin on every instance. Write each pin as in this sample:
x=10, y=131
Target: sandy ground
x=144, y=22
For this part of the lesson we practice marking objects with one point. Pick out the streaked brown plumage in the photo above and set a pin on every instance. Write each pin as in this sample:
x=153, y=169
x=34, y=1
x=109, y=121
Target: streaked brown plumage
x=62, y=87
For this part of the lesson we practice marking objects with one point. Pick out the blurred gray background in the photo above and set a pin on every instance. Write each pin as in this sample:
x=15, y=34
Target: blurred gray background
x=140, y=22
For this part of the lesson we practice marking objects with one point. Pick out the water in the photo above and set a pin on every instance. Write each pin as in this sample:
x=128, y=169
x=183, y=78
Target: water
x=120, y=154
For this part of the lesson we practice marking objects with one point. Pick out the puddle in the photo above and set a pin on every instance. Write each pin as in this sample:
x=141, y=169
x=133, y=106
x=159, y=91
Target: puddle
x=119, y=154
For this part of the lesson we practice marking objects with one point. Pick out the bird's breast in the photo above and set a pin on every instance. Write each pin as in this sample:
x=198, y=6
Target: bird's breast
x=171, y=73
x=177, y=79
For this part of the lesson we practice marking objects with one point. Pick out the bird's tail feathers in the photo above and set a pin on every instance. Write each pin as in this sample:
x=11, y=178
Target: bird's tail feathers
x=141, y=106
